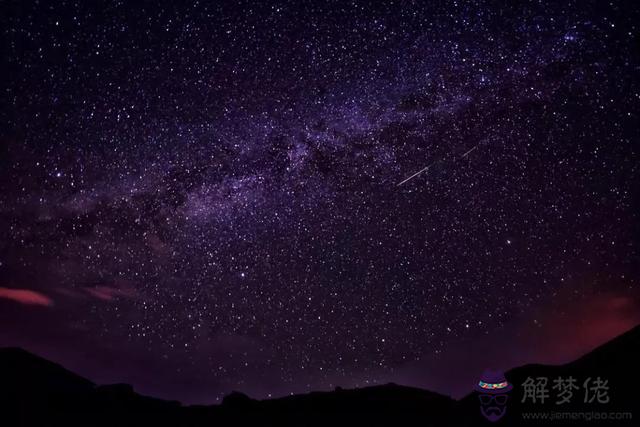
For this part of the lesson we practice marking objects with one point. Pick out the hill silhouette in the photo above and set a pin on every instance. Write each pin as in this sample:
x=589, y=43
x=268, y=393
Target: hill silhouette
x=37, y=392
x=617, y=362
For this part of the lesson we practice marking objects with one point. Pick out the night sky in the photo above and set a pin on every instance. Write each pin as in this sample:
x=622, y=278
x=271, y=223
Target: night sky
x=284, y=197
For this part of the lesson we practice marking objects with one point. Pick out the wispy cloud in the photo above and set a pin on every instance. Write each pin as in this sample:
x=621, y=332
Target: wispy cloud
x=26, y=297
x=108, y=293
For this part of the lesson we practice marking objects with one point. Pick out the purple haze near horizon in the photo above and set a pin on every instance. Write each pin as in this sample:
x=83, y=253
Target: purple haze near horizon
x=215, y=197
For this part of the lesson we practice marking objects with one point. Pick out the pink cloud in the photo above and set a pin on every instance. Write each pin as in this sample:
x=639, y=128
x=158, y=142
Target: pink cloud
x=26, y=296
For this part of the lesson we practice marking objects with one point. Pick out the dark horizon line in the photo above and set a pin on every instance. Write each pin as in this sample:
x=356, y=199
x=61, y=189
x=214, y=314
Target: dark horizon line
x=337, y=388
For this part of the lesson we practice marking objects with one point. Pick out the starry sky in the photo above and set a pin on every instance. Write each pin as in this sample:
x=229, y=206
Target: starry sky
x=279, y=197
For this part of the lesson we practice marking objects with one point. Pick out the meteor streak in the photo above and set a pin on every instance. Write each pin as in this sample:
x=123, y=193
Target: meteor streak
x=467, y=153
x=432, y=163
x=416, y=174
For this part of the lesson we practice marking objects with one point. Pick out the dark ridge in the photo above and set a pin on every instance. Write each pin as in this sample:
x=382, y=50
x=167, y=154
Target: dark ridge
x=37, y=392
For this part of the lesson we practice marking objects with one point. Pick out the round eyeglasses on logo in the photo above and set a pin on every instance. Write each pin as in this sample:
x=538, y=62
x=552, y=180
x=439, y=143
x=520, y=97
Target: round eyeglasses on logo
x=493, y=389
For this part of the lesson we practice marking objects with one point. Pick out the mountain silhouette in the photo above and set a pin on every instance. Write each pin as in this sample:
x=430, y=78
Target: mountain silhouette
x=37, y=392
x=617, y=362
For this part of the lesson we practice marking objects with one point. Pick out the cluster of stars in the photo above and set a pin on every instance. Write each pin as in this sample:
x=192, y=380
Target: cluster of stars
x=217, y=186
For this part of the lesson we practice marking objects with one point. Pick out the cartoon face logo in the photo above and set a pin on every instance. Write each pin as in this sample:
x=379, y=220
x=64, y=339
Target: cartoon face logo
x=493, y=391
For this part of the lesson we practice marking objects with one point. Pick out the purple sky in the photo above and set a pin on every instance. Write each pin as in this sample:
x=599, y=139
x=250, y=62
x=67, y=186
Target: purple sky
x=283, y=197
